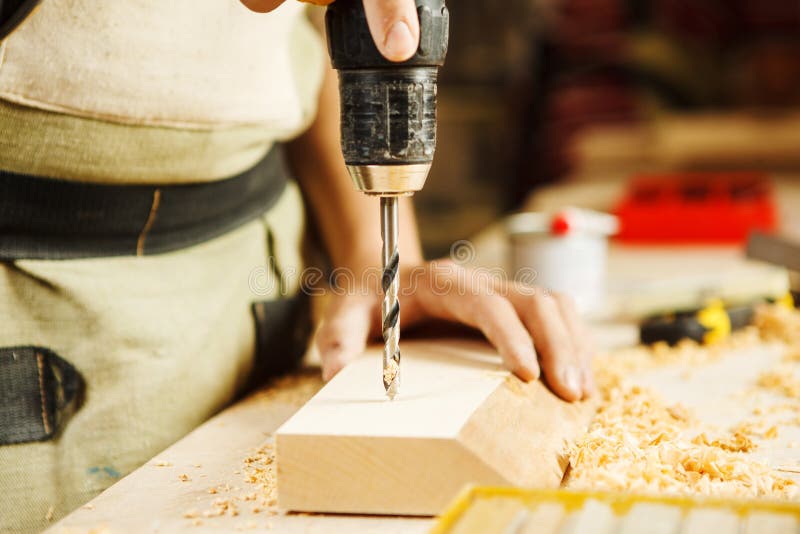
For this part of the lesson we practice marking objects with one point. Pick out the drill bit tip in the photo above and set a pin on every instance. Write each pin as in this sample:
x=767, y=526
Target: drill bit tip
x=391, y=391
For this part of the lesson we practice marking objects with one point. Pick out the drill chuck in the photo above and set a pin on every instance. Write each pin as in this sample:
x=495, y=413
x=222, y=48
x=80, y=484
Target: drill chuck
x=388, y=109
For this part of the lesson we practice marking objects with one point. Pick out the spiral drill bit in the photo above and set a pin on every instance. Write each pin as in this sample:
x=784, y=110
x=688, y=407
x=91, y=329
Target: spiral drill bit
x=390, y=309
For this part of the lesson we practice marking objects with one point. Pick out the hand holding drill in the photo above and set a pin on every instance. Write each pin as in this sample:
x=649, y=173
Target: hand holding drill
x=393, y=24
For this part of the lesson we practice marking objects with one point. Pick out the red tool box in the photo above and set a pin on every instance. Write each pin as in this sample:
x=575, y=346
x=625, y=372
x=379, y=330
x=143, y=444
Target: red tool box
x=696, y=207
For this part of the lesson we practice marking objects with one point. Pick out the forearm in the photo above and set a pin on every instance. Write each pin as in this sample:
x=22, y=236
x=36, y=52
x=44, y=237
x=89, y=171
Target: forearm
x=348, y=221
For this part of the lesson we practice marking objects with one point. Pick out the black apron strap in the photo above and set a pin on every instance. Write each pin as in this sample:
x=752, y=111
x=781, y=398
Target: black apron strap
x=44, y=218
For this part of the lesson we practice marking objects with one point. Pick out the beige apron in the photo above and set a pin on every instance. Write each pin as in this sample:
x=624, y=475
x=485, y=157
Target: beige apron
x=163, y=342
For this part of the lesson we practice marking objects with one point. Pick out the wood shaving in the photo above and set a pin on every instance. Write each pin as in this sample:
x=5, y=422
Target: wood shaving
x=638, y=443
x=679, y=412
x=792, y=355
x=260, y=472
x=258, y=467
x=686, y=353
x=781, y=381
x=183, y=477
x=390, y=371
x=737, y=442
x=751, y=428
x=635, y=445
x=222, y=507
x=778, y=323
x=162, y=463
x=777, y=408
x=294, y=389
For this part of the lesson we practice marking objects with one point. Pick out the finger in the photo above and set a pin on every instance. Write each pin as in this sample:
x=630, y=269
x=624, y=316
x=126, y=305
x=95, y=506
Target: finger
x=477, y=307
x=343, y=333
x=581, y=339
x=557, y=354
x=496, y=318
x=394, y=27
x=262, y=6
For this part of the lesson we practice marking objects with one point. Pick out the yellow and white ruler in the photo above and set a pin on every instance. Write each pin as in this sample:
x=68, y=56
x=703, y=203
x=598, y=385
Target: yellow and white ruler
x=488, y=510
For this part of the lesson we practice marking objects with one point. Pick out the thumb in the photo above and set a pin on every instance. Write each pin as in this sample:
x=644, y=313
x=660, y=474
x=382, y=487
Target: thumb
x=394, y=27
x=262, y=6
x=343, y=333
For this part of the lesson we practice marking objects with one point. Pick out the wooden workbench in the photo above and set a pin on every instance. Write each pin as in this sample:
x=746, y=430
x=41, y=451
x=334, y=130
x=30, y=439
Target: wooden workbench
x=171, y=492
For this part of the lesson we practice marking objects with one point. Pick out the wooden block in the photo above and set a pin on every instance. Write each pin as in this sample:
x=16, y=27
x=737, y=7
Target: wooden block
x=459, y=419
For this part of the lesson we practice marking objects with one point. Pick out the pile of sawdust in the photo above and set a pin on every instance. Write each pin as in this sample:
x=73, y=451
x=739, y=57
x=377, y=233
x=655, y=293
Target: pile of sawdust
x=779, y=323
x=686, y=353
x=638, y=443
x=781, y=380
x=259, y=471
x=259, y=495
x=738, y=441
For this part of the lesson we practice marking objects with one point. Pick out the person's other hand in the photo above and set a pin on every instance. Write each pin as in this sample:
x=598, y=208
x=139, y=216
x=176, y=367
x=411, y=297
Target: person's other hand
x=513, y=317
x=393, y=24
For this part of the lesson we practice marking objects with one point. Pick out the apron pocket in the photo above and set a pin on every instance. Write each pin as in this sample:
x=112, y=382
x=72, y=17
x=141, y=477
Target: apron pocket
x=39, y=392
x=283, y=331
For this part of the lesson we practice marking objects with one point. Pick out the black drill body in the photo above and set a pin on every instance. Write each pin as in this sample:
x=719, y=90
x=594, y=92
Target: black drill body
x=388, y=109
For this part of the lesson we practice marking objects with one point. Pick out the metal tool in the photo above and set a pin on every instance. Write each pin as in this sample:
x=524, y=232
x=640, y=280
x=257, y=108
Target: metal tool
x=775, y=249
x=714, y=322
x=780, y=250
x=388, y=123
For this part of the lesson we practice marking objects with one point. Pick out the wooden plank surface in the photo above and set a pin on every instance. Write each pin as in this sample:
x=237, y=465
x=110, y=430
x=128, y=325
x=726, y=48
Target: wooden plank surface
x=459, y=419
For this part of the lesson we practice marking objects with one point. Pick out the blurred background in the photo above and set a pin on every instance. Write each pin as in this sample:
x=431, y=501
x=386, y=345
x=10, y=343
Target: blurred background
x=560, y=98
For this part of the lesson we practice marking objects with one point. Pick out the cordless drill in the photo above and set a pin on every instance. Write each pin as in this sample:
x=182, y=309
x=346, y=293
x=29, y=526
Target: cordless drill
x=388, y=131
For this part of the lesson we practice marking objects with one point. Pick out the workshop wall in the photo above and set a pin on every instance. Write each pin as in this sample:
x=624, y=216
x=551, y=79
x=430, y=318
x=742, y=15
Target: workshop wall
x=541, y=91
